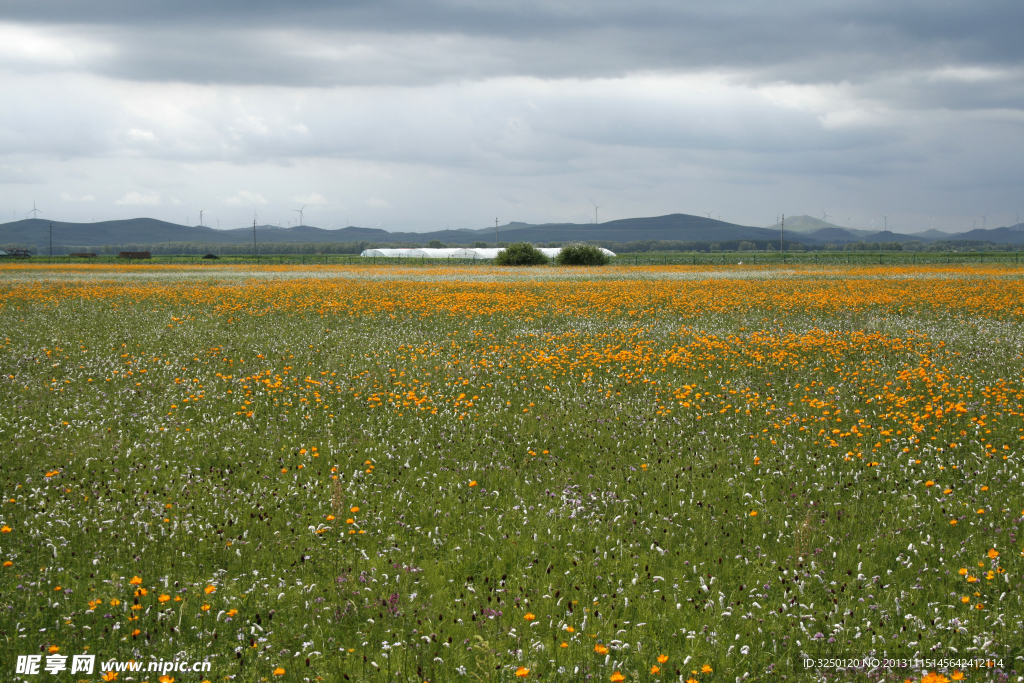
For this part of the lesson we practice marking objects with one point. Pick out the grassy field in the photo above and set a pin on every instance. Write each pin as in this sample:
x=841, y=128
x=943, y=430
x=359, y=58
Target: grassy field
x=350, y=473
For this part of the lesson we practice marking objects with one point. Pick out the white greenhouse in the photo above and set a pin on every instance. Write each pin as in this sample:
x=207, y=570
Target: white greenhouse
x=452, y=253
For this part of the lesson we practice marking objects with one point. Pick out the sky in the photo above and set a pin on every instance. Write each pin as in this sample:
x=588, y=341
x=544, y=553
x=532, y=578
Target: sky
x=426, y=114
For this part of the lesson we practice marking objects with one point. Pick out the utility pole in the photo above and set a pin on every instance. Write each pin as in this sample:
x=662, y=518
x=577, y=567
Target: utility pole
x=495, y=231
x=782, y=239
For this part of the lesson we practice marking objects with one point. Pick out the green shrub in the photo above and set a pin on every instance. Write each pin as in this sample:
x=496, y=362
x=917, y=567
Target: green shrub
x=581, y=255
x=520, y=254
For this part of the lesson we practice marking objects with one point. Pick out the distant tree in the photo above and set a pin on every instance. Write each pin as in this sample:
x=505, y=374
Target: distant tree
x=520, y=254
x=747, y=246
x=581, y=255
x=715, y=246
x=480, y=245
x=435, y=244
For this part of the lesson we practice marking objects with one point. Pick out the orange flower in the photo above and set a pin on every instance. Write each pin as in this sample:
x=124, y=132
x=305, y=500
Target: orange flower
x=135, y=581
x=753, y=513
x=655, y=669
x=993, y=554
x=136, y=632
x=330, y=518
x=957, y=675
x=52, y=649
x=662, y=659
x=232, y=612
x=353, y=509
x=600, y=649
x=564, y=644
x=205, y=608
x=616, y=677
x=5, y=529
x=529, y=616
x=8, y=563
x=164, y=598
x=472, y=483
x=706, y=669
x=109, y=676
x=279, y=671
x=166, y=679
x=522, y=672
x=929, y=483
x=209, y=589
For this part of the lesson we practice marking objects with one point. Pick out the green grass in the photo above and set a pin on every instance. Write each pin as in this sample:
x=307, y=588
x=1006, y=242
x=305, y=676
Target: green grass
x=592, y=507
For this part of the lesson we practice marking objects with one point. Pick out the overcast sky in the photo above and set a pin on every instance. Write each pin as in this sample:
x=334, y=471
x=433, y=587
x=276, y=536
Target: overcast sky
x=417, y=114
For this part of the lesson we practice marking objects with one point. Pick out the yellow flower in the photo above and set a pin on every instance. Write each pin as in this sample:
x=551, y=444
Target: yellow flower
x=963, y=571
x=205, y=608
x=706, y=669
x=53, y=649
x=965, y=599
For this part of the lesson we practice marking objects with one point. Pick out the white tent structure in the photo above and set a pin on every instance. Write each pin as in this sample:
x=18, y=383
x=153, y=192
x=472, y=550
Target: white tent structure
x=432, y=253
x=452, y=253
x=386, y=253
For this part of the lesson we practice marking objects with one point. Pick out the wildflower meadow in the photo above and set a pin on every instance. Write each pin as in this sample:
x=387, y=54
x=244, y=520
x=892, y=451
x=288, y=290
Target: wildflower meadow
x=651, y=473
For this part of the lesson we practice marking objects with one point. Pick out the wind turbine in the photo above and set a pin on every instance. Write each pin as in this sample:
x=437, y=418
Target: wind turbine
x=299, y=211
x=708, y=213
x=825, y=216
x=201, y=217
x=596, y=207
x=34, y=210
x=886, y=220
x=982, y=217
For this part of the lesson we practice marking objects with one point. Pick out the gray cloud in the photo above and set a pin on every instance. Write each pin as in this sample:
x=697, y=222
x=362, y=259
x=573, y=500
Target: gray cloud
x=529, y=106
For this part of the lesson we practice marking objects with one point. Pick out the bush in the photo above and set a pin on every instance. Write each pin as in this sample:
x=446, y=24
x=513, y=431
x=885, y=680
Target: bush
x=520, y=254
x=581, y=255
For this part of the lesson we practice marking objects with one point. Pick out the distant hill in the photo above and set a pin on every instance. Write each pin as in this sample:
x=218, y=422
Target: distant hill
x=673, y=227
x=679, y=227
x=890, y=236
x=835, y=235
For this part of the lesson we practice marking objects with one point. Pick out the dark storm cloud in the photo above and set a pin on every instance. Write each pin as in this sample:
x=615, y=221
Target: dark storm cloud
x=323, y=44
